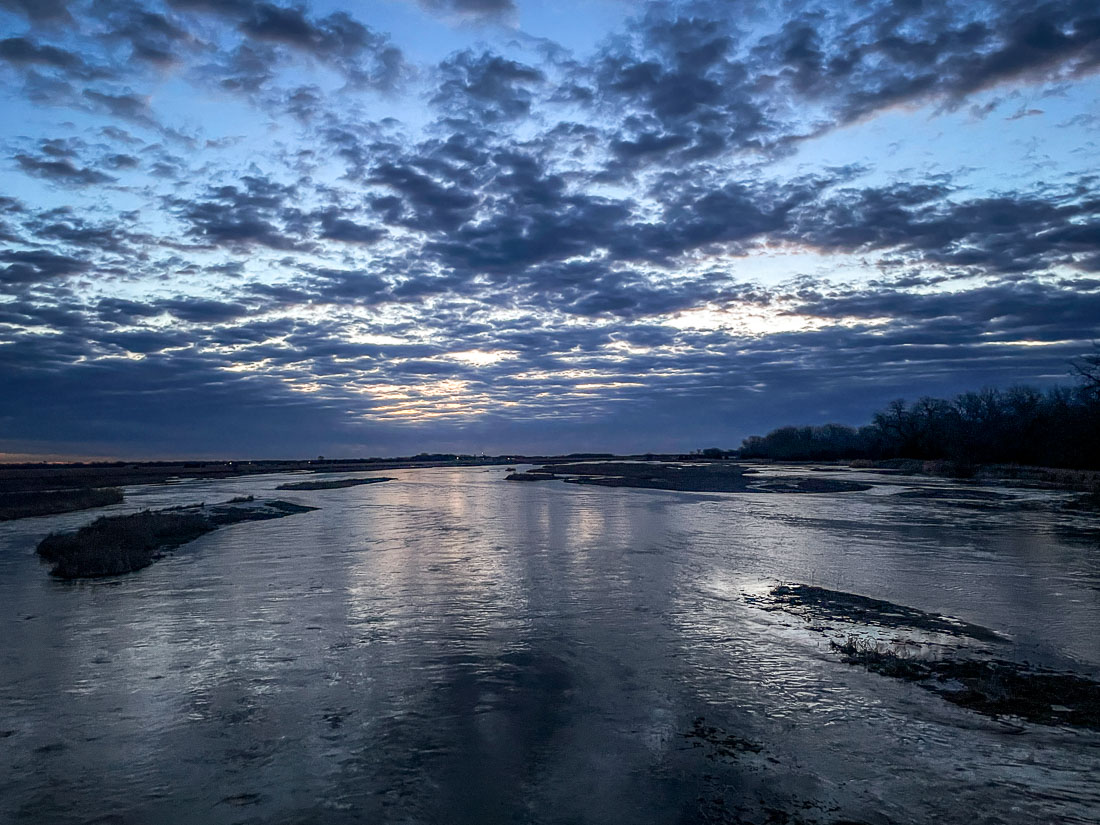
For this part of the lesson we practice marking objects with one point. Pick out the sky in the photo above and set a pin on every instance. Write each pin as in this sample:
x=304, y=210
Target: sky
x=239, y=228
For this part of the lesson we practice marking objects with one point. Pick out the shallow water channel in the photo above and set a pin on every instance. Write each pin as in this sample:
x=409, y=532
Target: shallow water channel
x=451, y=648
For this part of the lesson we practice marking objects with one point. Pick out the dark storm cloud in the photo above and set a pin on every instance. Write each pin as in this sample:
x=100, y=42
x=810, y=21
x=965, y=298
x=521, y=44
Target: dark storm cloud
x=62, y=226
x=182, y=397
x=682, y=90
x=340, y=286
x=145, y=342
x=123, y=311
x=25, y=313
x=121, y=161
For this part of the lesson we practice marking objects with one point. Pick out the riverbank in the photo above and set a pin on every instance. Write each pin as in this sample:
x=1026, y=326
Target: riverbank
x=51, y=502
x=1016, y=475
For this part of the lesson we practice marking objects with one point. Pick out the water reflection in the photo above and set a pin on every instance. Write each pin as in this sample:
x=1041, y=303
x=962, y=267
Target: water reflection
x=447, y=647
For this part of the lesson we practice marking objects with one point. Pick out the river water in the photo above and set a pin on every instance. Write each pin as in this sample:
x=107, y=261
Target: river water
x=450, y=648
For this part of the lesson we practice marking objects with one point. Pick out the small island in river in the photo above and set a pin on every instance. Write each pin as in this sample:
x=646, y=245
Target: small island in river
x=694, y=477
x=113, y=545
x=332, y=485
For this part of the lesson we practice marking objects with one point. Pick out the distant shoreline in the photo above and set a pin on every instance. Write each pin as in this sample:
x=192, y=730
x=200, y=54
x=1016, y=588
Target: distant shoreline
x=33, y=503
x=25, y=477
x=71, y=479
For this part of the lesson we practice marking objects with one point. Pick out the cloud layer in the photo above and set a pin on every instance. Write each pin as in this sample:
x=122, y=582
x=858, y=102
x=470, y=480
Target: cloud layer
x=263, y=228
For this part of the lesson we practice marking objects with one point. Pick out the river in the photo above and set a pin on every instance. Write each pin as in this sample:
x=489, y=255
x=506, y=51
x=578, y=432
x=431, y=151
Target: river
x=450, y=648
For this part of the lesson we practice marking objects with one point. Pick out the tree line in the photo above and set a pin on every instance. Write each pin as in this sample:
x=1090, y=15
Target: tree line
x=1058, y=427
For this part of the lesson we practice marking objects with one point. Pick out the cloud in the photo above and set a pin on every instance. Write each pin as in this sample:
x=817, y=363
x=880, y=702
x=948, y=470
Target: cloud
x=366, y=58
x=61, y=170
x=260, y=213
x=476, y=9
x=203, y=311
x=151, y=36
x=36, y=265
x=39, y=11
x=337, y=228
x=528, y=245
x=23, y=51
x=126, y=106
x=486, y=87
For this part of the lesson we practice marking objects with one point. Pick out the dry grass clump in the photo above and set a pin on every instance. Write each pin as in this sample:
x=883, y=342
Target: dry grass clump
x=120, y=544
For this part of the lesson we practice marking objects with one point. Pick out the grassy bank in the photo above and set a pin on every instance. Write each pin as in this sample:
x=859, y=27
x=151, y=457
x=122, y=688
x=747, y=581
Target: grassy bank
x=49, y=502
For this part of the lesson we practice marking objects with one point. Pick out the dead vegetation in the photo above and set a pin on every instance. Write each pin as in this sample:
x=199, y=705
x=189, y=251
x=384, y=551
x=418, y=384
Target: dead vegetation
x=110, y=546
x=113, y=545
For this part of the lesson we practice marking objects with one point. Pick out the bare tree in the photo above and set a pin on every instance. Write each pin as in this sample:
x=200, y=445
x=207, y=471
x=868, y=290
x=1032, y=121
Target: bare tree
x=1087, y=368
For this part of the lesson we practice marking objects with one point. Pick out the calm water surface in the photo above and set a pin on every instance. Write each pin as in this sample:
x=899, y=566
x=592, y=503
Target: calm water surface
x=449, y=648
